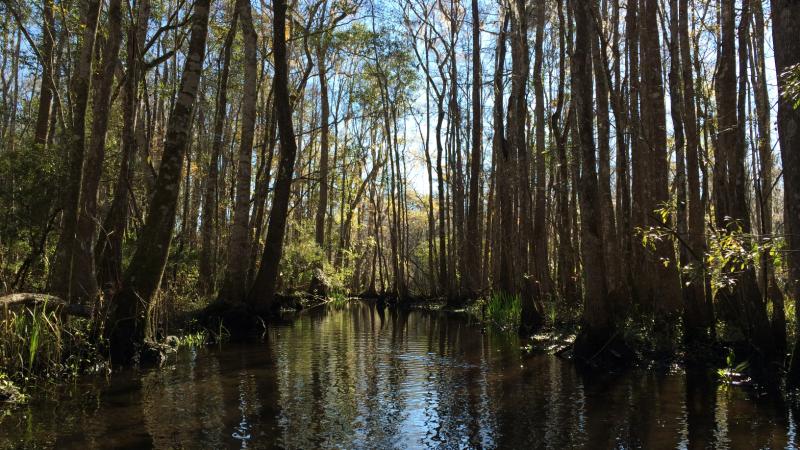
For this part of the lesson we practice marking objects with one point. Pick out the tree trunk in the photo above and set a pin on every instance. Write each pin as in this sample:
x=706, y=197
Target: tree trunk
x=129, y=310
x=235, y=285
x=48, y=87
x=541, y=262
x=743, y=301
x=262, y=293
x=662, y=288
x=598, y=326
x=473, y=244
x=698, y=311
x=322, y=204
x=504, y=280
x=609, y=231
x=785, y=29
x=765, y=179
x=61, y=277
x=208, y=230
x=83, y=275
x=109, y=244
x=531, y=314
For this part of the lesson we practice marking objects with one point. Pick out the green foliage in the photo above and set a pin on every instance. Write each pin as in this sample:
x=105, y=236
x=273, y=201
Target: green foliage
x=791, y=80
x=37, y=344
x=730, y=251
x=733, y=372
x=29, y=186
x=504, y=309
x=195, y=339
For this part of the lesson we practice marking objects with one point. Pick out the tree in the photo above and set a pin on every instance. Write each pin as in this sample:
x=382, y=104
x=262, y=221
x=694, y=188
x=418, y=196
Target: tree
x=597, y=323
x=211, y=195
x=62, y=280
x=473, y=237
x=235, y=285
x=786, y=26
x=742, y=302
x=262, y=294
x=128, y=315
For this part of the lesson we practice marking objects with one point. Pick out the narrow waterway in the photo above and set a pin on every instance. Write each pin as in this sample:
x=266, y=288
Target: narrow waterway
x=357, y=376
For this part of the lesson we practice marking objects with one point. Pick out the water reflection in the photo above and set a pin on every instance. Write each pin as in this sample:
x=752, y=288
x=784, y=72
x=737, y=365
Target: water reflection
x=365, y=376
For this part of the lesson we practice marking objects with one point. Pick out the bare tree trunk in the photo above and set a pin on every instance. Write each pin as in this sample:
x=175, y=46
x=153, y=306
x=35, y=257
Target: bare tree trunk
x=744, y=304
x=663, y=285
x=598, y=324
x=62, y=276
x=84, y=278
x=698, y=312
x=504, y=280
x=262, y=293
x=42, y=126
x=208, y=230
x=764, y=185
x=130, y=308
x=609, y=230
x=235, y=285
x=531, y=313
x=785, y=29
x=541, y=262
x=109, y=245
x=322, y=205
x=473, y=238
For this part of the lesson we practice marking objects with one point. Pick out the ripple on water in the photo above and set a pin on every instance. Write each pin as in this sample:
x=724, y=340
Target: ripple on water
x=359, y=377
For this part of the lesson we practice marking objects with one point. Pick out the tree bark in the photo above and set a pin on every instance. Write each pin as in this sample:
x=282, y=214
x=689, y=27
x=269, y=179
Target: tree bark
x=541, y=262
x=235, y=285
x=473, y=244
x=129, y=309
x=62, y=276
x=698, y=310
x=765, y=179
x=662, y=288
x=262, y=293
x=47, y=89
x=109, y=244
x=208, y=230
x=83, y=275
x=597, y=321
x=785, y=29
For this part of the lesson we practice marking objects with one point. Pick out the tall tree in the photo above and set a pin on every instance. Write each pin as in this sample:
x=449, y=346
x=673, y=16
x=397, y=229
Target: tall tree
x=742, y=302
x=473, y=237
x=109, y=244
x=208, y=231
x=785, y=29
x=541, y=262
x=764, y=180
x=61, y=281
x=234, y=287
x=597, y=324
x=129, y=310
x=698, y=309
x=48, y=86
x=262, y=294
x=88, y=218
x=659, y=288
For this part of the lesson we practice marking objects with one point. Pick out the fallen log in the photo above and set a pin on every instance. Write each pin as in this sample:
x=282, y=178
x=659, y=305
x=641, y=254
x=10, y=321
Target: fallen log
x=45, y=301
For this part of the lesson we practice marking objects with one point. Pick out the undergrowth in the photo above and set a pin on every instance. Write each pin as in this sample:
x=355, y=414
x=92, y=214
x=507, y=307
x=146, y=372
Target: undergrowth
x=39, y=345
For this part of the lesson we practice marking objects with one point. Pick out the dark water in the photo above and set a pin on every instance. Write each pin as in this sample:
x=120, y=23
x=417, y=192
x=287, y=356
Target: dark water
x=359, y=377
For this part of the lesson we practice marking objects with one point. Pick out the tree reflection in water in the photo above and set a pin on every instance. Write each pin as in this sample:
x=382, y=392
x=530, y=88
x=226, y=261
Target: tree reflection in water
x=366, y=376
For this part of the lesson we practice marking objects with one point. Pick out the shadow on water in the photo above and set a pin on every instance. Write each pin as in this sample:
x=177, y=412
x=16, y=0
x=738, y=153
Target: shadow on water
x=364, y=376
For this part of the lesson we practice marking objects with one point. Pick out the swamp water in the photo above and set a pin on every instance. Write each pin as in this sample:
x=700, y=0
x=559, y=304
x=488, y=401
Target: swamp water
x=357, y=376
